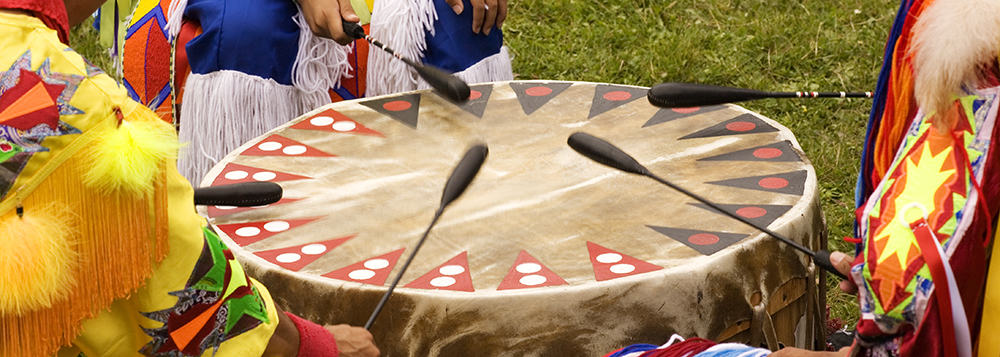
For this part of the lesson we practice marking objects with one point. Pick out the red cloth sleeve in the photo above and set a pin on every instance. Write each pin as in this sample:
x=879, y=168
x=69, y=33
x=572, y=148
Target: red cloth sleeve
x=314, y=340
x=51, y=12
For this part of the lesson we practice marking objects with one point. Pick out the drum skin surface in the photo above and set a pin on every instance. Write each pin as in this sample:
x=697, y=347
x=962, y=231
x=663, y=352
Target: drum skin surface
x=547, y=252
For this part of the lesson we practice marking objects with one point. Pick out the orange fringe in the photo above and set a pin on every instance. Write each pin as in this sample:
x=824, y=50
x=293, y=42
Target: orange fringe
x=121, y=239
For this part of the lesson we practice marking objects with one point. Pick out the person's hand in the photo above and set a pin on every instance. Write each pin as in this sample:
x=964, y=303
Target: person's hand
x=485, y=13
x=842, y=262
x=353, y=341
x=798, y=352
x=324, y=18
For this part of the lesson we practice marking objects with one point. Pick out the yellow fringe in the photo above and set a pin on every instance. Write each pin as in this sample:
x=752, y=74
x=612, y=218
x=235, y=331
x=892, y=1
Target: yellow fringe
x=120, y=237
x=37, y=257
x=128, y=157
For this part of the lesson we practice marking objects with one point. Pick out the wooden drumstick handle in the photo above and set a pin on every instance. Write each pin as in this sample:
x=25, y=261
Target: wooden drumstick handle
x=603, y=152
x=459, y=180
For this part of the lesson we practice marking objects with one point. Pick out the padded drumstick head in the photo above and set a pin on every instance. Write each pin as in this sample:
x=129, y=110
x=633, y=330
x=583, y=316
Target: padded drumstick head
x=599, y=150
x=246, y=194
x=463, y=174
x=686, y=95
x=444, y=82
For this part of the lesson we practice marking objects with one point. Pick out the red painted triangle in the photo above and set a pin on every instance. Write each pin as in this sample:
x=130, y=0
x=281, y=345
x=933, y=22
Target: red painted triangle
x=374, y=270
x=333, y=121
x=277, y=145
x=528, y=272
x=236, y=173
x=609, y=264
x=297, y=257
x=452, y=275
x=218, y=211
x=251, y=232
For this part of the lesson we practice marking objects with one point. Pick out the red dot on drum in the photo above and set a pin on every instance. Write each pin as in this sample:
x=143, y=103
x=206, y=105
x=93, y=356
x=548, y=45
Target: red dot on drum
x=767, y=153
x=741, y=126
x=474, y=94
x=538, y=91
x=397, y=105
x=618, y=95
x=686, y=110
x=773, y=182
x=703, y=239
x=751, y=212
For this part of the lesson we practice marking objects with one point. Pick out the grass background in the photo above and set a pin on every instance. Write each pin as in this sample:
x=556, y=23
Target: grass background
x=786, y=45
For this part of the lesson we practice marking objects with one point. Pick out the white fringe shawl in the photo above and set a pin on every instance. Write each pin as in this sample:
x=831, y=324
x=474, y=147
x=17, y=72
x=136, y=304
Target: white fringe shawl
x=494, y=68
x=952, y=39
x=401, y=25
x=225, y=109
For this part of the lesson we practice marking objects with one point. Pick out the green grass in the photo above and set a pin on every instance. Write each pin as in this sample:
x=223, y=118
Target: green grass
x=775, y=45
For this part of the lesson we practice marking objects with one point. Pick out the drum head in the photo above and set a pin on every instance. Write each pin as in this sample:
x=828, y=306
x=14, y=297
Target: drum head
x=363, y=178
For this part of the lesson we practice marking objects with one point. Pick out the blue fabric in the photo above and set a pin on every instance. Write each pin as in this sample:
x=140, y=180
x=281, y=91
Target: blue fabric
x=733, y=350
x=863, y=188
x=256, y=37
x=642, y=347
x=454, y=46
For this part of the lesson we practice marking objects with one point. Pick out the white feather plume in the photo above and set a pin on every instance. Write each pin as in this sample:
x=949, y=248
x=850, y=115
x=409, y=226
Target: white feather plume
x=952, y=40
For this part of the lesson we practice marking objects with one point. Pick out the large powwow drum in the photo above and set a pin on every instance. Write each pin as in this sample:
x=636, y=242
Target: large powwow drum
x=547, y=253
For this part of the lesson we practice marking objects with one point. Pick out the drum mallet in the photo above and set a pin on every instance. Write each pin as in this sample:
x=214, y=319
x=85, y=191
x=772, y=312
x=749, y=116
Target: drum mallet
x=686, y=95
x=244, y=194
x=603, y=152
x=444, y=82
x=460, y=179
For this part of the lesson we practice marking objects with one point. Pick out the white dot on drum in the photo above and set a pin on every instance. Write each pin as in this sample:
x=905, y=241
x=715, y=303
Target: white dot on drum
x=622, y=268
x=248, y=231
x=277, y=226
x=314, y=249
x=225, y=207
x=236, y=175
x=264, y=176
x=443, y=281
x=344, y=125
x=532, y=280
x=452, y=270
x=288, y=257
x=294, y=150
x=269, y=146
x=528, y=268
x=321, y=121
x=361, y=274
x=376, y=264
x=608, y=258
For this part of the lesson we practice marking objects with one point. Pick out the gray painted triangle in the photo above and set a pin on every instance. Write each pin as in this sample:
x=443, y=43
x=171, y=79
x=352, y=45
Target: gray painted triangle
x=762, y=215
x=743, y=124
x=669, y=114
x=780, y=151
x=403, y=108
x=789, y=182
x=705, y=242
x=607, y=97
x=478, y=97
x=533, y=95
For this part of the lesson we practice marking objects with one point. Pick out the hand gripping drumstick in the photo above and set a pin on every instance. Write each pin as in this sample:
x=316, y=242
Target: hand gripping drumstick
x=685, y=95
x=609, y=155
x=444, y=82
x=460, y=178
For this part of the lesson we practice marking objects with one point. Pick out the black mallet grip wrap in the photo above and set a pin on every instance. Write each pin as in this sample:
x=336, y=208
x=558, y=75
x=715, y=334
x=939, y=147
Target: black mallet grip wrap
x=246, y=194
x=686, y=95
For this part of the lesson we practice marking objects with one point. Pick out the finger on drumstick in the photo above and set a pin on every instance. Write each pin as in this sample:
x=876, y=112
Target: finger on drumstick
x=446, y=83
x=687, y=95
x=605, y=153
x=458, y=181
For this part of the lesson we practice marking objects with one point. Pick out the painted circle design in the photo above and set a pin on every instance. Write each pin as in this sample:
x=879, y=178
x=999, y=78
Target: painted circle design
x=288, y=257
x=443, y=281
x=532, y=280
x=344, y=125
x=703, y=239
x=528, y=268
x=294, y=150
x=376, y=264
x=622, y=268
x=321, y=121
x=269, y=146
x=264, y=176
x=277, y=226
x=617, y=96
x=314, y=249
x=767, y=153
x=451, y=270
x=361, y=274
x=741, y=126
x=751, y=212
x=773, y=183
x=608, y=258
x=397, y=105
x=474, y=94
x=236, y=175
x=688, y=110
x=247, y=231
x=538, y=91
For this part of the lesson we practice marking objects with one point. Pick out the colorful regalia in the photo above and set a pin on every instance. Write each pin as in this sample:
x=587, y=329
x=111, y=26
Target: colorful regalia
x=102, y=252
x=929, y=184
x=253, y=68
